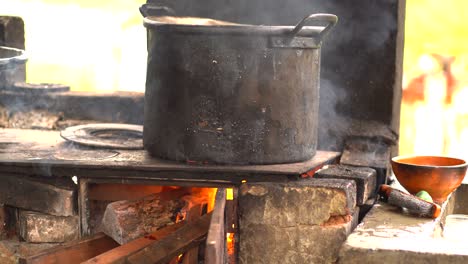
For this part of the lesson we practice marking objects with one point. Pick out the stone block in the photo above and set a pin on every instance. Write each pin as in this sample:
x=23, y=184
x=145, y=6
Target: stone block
x=295, y=244
x=364, y=177
x=50, y=196
x=304, y=202
x=42, y=228
x=126, y=220
x=304, y=221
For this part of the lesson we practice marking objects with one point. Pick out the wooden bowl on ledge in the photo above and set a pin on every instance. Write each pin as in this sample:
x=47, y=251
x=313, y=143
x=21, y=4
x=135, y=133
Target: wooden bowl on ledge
x=437, y=175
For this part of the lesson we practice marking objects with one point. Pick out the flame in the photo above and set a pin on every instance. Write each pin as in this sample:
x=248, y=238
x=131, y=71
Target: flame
x=229, y=194
x=179, y=258
x=207, y=194
x=180, y=216
x=230, y=243
x=211, y=193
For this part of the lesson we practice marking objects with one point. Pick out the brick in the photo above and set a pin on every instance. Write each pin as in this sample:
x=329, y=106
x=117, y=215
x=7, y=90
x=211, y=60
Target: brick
x=50, y=196
x=296, y=244
x=42, y=228
x=365, y=179
x=126, y=220
x=302, y=221
x=7, y=252
x=305, y=202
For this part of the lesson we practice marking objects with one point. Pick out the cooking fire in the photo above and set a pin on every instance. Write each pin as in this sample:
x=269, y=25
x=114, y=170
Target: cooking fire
x=227, y=132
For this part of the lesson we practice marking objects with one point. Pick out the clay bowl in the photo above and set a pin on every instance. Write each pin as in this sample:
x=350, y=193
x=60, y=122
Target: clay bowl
x=439, y=176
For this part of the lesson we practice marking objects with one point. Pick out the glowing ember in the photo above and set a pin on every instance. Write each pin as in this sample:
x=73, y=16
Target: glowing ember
x=208, y=193
x=179, y=258
x=230, y=243
x=229, y=194
x=180, y=216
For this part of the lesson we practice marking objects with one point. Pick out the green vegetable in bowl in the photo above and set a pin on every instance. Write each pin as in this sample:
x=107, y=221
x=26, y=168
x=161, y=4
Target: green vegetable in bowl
x=425, y=196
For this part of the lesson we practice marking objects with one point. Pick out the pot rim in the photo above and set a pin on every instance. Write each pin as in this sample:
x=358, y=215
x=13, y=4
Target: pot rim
x=232, y=29
x=15, y=56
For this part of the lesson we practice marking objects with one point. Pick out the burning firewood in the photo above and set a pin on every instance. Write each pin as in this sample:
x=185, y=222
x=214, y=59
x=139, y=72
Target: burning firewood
x=126, y=220
x=168, y=242
x=73, y=252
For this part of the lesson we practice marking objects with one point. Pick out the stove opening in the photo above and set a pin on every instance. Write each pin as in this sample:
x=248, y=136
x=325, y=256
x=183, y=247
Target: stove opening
x=133, y=213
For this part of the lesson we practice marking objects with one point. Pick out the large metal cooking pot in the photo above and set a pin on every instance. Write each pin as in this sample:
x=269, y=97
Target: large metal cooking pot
x=232, y=93
x=11, y=60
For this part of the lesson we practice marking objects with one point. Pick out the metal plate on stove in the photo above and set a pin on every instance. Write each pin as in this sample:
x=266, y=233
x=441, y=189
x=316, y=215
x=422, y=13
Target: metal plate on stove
x=115, y=136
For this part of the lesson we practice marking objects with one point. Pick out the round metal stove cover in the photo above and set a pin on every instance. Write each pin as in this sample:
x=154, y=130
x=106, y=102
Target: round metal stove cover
x=115, y=136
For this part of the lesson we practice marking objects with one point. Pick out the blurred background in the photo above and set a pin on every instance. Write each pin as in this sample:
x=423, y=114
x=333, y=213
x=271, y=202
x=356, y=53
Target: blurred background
x=434, y=117
x=56, y=30
x=434, y=111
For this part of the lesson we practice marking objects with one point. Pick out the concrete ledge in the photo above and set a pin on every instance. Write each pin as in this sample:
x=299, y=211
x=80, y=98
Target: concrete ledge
x=388, y=235
x=117, y=107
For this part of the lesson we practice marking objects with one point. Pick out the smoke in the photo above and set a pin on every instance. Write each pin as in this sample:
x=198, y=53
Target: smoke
x=330, y=121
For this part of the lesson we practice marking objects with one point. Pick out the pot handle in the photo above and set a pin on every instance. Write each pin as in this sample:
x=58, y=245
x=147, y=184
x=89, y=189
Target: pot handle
x=151, y=9
x=331, y=19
